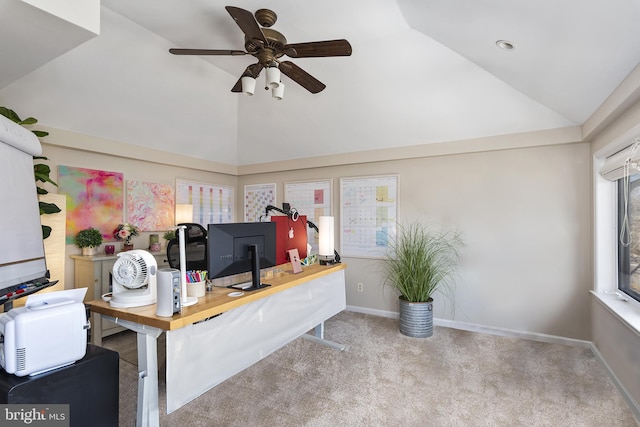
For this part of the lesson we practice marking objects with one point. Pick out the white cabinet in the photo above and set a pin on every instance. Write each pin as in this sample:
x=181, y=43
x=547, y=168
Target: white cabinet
x=94, y=273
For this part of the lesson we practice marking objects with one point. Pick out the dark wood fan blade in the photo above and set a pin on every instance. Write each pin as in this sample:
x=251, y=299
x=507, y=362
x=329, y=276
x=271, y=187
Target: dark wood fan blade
x=247, y=23
x=253, y=70
x=318, y=49
x=301, y=77
x=177, y=51
x=238, y=86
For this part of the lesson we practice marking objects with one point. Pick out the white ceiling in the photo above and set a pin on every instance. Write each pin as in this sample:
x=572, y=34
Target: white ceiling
x=422, y=71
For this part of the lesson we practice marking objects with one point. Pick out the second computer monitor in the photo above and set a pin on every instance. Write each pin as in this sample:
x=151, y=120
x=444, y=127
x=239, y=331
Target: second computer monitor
x=290, y=234
x=229, y=247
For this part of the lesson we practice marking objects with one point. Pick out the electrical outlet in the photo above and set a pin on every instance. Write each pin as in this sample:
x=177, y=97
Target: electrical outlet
x=360, y=287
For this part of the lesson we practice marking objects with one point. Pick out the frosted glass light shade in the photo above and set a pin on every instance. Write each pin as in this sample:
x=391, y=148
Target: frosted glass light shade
x=278, y=92
x=184, y=213
x=248, y=85
x=325, y=244
x=273, y=77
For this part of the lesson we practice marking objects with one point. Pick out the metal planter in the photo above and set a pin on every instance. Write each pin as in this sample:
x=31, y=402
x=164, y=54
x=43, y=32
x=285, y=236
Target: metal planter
x=416, y=318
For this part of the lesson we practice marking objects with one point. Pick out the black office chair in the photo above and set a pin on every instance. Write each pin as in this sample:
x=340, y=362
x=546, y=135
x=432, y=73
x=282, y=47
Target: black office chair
x=195, y=239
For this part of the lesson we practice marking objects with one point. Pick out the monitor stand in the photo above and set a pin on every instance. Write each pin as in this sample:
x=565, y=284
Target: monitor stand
x=255, y=270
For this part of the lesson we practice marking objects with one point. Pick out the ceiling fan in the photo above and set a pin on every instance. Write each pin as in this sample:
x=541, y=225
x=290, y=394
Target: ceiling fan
x=269, y=45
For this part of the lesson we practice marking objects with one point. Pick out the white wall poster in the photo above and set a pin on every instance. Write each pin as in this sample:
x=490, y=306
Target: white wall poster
x=368, y=215
x=256, y=198
x=212, y=204
x=310, y=198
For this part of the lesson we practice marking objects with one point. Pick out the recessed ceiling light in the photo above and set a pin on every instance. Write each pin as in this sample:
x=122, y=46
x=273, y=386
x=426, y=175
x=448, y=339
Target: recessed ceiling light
x=505, y=45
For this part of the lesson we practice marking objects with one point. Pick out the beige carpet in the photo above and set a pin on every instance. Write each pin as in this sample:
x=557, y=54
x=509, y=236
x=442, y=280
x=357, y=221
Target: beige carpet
x=455, y=378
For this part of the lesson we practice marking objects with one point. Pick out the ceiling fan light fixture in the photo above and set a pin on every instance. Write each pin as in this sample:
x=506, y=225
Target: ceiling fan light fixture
x=273, y=76
x=278, y=92
x=267, y=46
x=248, y=85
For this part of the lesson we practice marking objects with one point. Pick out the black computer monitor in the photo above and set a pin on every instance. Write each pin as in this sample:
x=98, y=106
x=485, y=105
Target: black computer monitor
x=231, y=249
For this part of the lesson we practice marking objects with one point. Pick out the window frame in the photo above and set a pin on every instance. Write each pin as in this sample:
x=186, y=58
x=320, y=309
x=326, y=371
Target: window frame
x=623, y=251
x=605, y=237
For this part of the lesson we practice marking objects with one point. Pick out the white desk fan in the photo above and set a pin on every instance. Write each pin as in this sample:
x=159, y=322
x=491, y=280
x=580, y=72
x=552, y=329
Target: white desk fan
x=134, y=279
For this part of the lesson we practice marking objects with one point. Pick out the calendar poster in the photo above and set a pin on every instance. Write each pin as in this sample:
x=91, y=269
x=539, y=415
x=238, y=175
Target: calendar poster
x=368, y=215
x=256, y=198
x=310, y=198
x=212, y=204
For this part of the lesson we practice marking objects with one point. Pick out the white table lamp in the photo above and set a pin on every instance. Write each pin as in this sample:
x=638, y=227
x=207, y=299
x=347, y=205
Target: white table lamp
x=184, y=214
x=325, y=245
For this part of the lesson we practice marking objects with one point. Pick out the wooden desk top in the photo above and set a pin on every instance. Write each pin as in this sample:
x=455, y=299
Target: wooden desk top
x=215, y=302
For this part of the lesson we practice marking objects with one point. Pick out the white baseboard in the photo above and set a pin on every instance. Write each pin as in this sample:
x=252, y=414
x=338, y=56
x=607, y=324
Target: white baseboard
x=379, y=313
x=472, y=327
x=533, y=336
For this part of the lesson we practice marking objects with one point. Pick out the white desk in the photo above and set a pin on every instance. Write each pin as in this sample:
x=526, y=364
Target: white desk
x=222, y=335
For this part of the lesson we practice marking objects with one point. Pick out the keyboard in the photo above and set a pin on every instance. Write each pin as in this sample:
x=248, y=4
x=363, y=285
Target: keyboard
x=245, y=285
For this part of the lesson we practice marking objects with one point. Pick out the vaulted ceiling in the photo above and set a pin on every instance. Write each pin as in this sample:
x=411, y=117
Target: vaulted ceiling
x=422, y=71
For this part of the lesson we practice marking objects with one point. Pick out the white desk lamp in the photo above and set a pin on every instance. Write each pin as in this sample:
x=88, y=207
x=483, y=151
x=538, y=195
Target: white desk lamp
x=326, y=254
x=184, y=214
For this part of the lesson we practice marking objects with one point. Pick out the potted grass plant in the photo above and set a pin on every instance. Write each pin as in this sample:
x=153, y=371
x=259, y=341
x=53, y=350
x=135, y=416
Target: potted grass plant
x=421, y=261
x=88, y=240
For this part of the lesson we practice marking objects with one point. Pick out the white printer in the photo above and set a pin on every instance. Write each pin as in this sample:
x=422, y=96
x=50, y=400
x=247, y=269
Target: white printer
x=49, y=332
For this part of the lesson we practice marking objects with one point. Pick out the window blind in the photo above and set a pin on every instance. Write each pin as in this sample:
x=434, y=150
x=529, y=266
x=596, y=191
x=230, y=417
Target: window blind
x=614, y=166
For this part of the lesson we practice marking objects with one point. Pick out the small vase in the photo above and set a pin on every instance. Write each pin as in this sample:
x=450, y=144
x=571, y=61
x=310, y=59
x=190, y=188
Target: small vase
x=127, y=247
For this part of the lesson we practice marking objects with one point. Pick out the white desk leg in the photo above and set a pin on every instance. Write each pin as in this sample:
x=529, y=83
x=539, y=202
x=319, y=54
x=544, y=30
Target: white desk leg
x=148, y=414
x=318, y=337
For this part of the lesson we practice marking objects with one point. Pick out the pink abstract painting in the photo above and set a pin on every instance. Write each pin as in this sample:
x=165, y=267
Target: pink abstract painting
x=150, y=206
x=95, y=199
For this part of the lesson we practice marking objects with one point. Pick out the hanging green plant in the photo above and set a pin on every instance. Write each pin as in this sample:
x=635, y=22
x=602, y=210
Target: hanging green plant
x=41, y=171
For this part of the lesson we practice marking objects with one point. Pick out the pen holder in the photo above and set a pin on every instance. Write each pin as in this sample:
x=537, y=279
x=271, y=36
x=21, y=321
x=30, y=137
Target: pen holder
x=196, y=289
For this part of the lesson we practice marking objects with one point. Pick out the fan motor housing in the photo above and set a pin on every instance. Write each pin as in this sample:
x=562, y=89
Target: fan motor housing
x=275, y=43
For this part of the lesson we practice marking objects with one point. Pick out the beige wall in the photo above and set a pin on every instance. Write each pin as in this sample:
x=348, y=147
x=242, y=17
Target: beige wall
x=522, y=202
x=524, y=215
x=150, y=170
